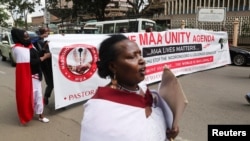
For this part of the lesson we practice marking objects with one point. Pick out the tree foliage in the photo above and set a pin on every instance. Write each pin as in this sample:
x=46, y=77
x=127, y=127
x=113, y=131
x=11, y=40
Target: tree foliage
x=137, y=5
x=19, y=9
x=95, y=7
x=3, y=17
x=99, y=8
x=91, y=7
x=56, y=4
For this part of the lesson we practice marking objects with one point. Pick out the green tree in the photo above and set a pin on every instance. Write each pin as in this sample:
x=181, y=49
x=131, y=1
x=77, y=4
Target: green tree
x=88, y=7
x=59, y=9
x=96, y=7
x=137, y=5
x=20, y=22
x=52, y=3
x=20, y=9
x=3, y=17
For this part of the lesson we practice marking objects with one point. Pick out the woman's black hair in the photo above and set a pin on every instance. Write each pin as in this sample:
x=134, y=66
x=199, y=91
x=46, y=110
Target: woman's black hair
x=17, y=35
x=108, y=53
x=42, y=30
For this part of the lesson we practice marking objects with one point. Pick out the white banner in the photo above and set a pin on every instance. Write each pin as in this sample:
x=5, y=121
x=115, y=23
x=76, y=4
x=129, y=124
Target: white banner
x=185, y=51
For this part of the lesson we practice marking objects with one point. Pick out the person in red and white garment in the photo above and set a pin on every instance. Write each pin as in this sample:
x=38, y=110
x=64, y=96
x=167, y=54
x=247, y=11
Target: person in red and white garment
x=29, y=97
x=122, y=110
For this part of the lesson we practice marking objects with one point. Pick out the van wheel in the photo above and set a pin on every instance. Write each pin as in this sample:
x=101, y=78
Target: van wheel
x=4, y=58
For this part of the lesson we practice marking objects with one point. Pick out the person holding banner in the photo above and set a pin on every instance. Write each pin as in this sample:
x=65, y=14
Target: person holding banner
x=29, y=97
x=124, y=109
x=43, y=47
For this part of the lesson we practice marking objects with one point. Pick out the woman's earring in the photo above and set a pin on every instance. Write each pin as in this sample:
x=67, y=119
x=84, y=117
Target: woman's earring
x=114, y=82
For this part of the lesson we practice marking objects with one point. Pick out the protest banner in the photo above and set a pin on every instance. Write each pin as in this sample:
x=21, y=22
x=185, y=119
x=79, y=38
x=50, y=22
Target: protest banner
x=185, y=51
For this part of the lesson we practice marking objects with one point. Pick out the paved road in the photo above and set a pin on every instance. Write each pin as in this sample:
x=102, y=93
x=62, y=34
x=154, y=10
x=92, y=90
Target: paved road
x=215, y=97
x=64, y=124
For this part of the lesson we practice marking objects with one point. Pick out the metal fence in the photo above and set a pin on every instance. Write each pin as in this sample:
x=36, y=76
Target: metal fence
x=244, y=35
x=244, y=28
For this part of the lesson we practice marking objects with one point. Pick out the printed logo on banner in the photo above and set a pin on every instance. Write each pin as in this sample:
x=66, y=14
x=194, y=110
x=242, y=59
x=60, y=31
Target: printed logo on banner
x=222, y=42
x=77, y=62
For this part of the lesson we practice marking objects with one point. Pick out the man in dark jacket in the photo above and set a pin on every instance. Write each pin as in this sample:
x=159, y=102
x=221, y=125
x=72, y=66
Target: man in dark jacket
x=42, y=46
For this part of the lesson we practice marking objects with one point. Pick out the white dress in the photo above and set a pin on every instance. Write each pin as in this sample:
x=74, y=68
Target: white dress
x=107, y=120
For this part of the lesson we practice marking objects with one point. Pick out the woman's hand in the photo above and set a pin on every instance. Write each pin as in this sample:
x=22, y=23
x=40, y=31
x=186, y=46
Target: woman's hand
x=172, y=133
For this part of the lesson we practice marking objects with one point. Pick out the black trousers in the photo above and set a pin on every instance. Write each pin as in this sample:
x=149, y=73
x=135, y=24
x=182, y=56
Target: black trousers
x=48, y=76
x=48, y=90
x=50, y=85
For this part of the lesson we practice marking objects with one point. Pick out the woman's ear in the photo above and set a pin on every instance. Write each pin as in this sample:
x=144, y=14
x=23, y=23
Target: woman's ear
x=112, y=67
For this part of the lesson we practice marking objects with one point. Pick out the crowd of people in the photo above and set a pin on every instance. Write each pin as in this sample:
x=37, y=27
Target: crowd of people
x=125, y=107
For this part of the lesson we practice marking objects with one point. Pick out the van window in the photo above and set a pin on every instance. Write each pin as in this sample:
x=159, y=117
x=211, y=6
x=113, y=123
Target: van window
x=146, y=24
x=120, y=25
x=133, y=26
x=108, y=28
x=90, y=31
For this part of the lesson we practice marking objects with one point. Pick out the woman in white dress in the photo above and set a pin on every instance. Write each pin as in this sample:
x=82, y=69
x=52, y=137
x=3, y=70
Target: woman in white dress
x=122, y=110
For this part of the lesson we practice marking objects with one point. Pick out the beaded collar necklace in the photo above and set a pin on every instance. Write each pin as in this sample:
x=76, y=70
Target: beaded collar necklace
x=137, y=91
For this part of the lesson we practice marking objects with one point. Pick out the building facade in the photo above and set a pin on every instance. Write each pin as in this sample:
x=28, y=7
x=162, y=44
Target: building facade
x=117, y=8
x=172, y=12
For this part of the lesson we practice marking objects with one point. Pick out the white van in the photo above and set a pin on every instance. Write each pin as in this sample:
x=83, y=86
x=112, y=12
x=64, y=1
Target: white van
x=113, y=26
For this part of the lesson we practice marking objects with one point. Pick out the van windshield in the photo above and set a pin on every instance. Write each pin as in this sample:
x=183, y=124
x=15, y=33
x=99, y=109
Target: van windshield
x=90, y=31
